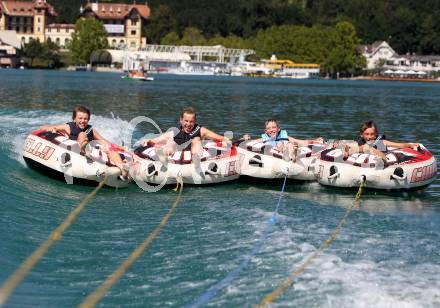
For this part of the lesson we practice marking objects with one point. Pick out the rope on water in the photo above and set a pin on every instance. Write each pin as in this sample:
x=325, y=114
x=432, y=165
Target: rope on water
x=100, y=292
x=12, y=282
x=291, y=279
x=212, y=291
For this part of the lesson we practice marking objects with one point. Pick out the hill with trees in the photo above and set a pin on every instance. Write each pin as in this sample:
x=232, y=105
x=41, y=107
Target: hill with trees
x=408, y=25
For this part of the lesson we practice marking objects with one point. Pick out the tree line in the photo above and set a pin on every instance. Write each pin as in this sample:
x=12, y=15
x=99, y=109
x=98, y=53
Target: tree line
x=326, y=32
x=408, y=25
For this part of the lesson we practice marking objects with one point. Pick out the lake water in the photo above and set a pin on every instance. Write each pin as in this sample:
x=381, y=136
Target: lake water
x=387, y=255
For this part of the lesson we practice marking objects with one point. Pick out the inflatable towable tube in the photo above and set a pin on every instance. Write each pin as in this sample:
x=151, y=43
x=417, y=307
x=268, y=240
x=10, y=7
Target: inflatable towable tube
x=57, y=156
x=307, y=157
x=217, y=164
x=260, y=160
x=403, y=169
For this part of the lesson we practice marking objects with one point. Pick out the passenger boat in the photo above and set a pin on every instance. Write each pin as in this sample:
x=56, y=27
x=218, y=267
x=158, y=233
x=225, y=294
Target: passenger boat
x=57, y=156
x=403, y=169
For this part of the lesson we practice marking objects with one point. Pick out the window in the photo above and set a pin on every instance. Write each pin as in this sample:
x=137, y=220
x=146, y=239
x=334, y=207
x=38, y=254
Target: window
x=38, y=19
x=58, y=30
x=113, y=43
x=66, y=42
x=57, y=41
x=132, y=44
x=23, y=40
x=133, y=32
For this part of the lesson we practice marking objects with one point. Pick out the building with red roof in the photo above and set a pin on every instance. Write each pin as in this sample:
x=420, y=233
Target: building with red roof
x=123, y=22
x=33, y=19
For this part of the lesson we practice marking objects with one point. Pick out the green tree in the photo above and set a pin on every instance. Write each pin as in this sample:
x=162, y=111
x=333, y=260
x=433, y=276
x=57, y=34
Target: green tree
x=344, y=56
x=89, y=35
x=171, y=38
x=297, y=43
x=42, y=54
x=161, y=23
x=50, y=54
x=193, y=36
x=33, y=50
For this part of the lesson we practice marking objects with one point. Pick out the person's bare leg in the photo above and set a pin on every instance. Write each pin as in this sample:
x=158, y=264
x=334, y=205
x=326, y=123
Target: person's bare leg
x=196, y=151
x=116, y=159
x=292, y=149
x=82, y=141
x=196, y=147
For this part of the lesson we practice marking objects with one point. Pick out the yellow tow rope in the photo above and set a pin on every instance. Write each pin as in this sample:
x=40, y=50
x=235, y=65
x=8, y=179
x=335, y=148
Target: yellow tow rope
x=11, y=283
x=291, y=279
x=99, y=292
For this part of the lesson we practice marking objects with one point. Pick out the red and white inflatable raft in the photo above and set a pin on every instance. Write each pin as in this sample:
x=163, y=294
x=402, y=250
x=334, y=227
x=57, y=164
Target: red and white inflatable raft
x=57, y=156
x=403, y=169
x=307, y=157
x=260, y=160
x=217, y=164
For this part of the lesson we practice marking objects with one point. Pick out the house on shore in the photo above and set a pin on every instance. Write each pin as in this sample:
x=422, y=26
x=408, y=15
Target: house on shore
x=381, y=56
x=377, y=53
x=123, y=22
x=34, y=19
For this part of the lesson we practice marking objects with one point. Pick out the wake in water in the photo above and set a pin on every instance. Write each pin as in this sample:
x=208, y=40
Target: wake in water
x=16, y=125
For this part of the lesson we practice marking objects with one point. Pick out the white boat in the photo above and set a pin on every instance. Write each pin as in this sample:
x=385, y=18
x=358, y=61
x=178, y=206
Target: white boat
x=57, y=156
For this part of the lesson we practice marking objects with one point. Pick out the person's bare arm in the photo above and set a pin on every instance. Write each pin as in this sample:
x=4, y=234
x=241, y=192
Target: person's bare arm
x=62, y=128
x=97, y=136
x=162, y=139
x=400, y=145
x=208, y=134
x=248, y=137
x=298, y=141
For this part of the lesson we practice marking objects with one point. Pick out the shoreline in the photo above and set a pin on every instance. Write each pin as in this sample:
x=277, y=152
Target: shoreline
x=382, y=78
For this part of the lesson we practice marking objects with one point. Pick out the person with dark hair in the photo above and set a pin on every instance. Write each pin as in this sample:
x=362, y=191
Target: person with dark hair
x=80, y=130
x=189, y=136
x=369, y=141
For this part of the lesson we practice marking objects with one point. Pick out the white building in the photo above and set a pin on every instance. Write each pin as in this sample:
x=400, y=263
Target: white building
x=377, y=52
x=425, y=64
